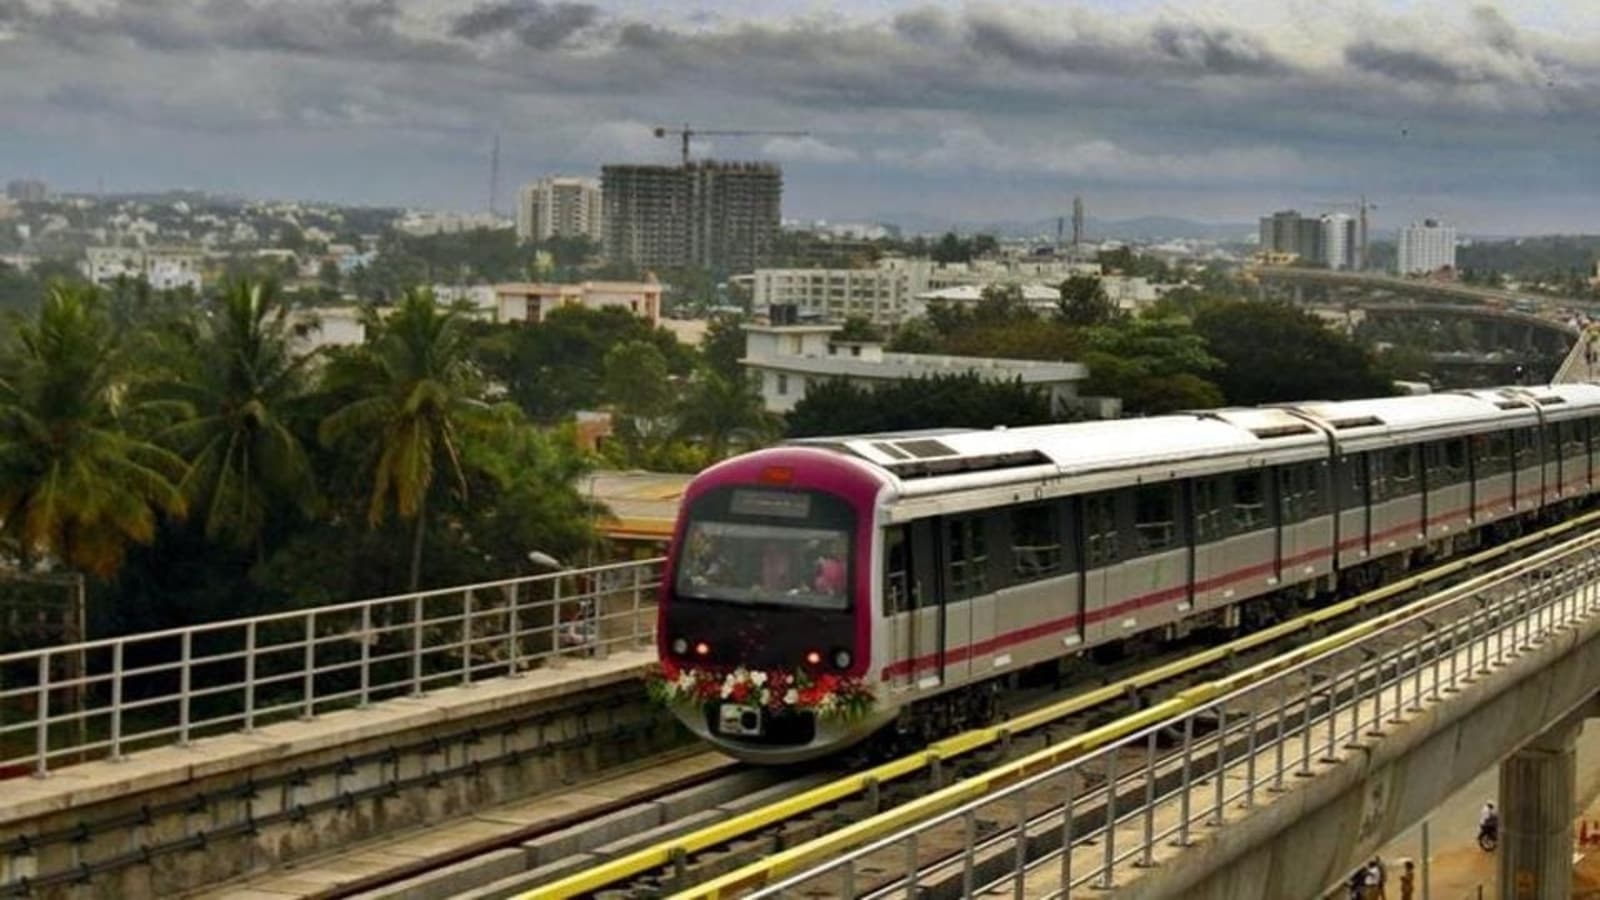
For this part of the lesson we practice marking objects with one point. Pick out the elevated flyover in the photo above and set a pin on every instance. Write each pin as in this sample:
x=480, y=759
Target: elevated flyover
x=1418, y=287
x=1274, y=782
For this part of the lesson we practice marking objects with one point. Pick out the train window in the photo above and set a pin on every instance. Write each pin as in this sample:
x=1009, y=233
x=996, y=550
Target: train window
x=1207, y=510
x=1316, y=487
x=1035, y=541
x=1155, y=517
x=1526, y=445
x=1354, y=478
x=1249, y=501
x=1492, y=453
x=1573, y=438
x=896, y=571
x=967, y=557
x=1378, y=473
x=1402, y=470
x=1100, y=530
x=1289, y=495
x=1447, y=462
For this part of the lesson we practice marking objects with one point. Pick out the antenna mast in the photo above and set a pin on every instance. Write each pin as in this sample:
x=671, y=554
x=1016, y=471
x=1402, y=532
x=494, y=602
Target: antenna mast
x=494, y=173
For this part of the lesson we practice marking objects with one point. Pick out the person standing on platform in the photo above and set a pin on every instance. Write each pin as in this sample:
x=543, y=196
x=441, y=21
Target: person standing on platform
x=1408, y=881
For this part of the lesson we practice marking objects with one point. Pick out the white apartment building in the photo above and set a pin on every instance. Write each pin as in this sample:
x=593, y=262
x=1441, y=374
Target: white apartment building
x=787, y=360
x=1426, y=248
x=1338, y=241
x=163, y=269
x=424, y=224
x=560, y=207
x=887, y=293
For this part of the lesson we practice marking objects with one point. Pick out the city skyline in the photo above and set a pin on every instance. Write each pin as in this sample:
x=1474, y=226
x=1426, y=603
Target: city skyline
x=974, y=112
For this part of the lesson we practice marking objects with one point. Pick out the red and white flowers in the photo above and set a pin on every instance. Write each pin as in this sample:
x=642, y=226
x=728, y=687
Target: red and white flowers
x=828, y=696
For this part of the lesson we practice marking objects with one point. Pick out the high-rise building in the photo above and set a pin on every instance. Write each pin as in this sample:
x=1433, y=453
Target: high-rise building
x=1340, y=242
x=560, y=207
x=721, y=215
x=1332, y=239
x=1426, y=248
x=27, y=190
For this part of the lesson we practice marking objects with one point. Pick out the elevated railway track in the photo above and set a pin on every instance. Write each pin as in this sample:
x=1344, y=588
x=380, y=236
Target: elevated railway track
x=723, y=849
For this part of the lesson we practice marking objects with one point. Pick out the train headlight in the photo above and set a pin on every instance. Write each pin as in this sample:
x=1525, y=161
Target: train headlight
x=702, y=649
x=680, y=646
x=813, y=658
x=842, y=659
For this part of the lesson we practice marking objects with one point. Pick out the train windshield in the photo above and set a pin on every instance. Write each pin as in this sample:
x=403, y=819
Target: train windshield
x=789, y=548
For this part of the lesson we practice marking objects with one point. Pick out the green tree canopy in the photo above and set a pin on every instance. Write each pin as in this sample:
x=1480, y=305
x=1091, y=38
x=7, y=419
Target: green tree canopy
x=1273, y=353
x=414, y=397
x=1084, y=303
x=77, y=481
x=239, y=383
x=965, y=400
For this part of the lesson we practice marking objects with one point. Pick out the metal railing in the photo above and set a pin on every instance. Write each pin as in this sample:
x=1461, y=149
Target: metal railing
x=105, y=698
x=1225, y=748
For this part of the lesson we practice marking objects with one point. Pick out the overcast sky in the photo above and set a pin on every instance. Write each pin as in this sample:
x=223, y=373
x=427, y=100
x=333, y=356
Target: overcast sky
x=1211, y=109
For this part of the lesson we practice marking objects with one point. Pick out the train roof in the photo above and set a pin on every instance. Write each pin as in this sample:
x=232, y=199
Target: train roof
x=1079, y=456
x=1078, y=448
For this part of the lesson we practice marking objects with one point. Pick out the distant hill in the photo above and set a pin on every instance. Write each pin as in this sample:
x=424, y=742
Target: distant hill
x=1143, y=228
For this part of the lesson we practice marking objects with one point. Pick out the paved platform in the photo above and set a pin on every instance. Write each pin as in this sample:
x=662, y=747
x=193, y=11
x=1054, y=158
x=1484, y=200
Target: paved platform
x=23, y=799
x=319, y=874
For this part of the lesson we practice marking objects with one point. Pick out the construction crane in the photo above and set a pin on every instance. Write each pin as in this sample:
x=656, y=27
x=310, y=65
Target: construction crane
x=686, y=133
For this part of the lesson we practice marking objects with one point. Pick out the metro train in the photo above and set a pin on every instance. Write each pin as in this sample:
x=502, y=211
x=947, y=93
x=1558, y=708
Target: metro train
x=827, y=590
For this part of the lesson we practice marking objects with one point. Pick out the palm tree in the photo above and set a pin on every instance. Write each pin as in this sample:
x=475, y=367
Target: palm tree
x=238, y=393
x=77, y=484
x=724, y=412
x=414, y=399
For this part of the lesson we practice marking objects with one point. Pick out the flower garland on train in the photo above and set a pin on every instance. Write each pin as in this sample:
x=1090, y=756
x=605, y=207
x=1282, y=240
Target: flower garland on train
x=828, y=696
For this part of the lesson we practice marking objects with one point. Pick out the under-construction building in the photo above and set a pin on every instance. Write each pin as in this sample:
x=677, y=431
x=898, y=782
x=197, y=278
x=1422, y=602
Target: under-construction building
x=719, y=215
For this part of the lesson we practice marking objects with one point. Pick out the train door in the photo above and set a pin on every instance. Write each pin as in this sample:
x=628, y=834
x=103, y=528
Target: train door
x=963, y=576
x=900, y=600
x=1209, y=559
x=927, y=625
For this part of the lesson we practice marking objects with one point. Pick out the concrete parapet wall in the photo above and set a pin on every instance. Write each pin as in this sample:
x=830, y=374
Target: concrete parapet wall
x=1305, y=841
x=174, y=819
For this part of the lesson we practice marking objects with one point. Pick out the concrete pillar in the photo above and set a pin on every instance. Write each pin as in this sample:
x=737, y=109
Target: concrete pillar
x=1538, y=800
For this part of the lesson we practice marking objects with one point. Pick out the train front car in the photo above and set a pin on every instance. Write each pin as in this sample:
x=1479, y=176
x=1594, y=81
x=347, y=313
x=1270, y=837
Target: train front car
x=765, y=620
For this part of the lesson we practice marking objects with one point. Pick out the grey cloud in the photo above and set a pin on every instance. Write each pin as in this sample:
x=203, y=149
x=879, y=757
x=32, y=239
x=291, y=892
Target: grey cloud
x=542, y=26
x=1497, y=32
x=1221, y=51
x=1405, y=64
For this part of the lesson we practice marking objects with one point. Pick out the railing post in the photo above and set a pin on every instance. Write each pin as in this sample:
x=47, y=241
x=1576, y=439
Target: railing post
x=416, y=645
x=555, y=619
x=514, y=637
x=1148, y=858
x=1021, y=849
x=41, y=737
x=185, y=682
x=1187, y=781
x=912, y=864
x=969, y=821
x=1106, y=878
x=250, y=676
x=1250, y=761
x=116, y=701
x=1305, y=725
x=1066, y=836
x=466, y=638
x=367, y=637
x=1220, y=770
x=308, y=686
x=638, y=605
